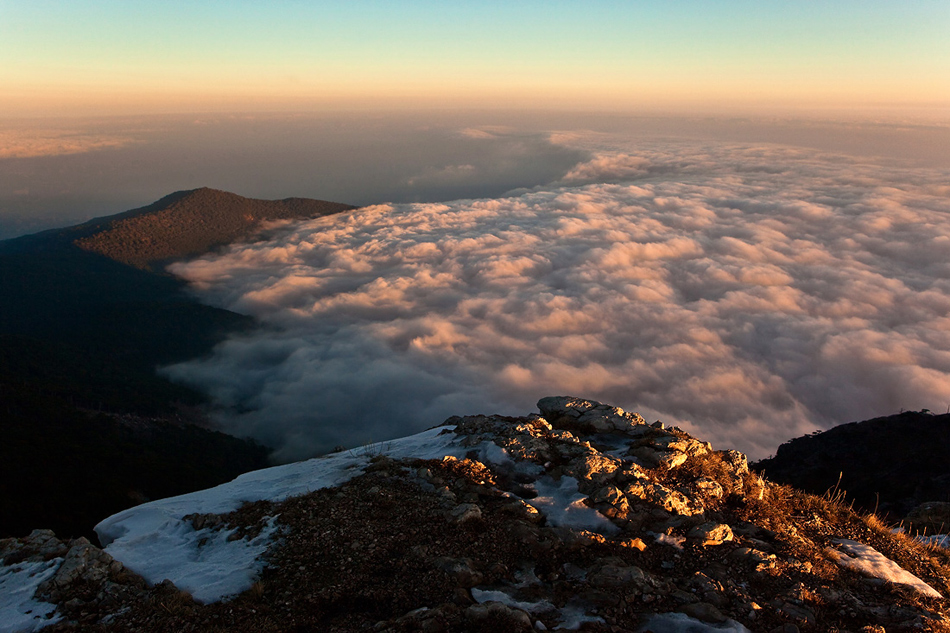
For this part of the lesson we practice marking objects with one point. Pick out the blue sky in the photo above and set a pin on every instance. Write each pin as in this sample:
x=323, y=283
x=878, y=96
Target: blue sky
x=113, y=57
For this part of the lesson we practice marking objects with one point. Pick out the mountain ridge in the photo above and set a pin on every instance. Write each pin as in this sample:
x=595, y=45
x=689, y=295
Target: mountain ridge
x=86, y=316
x=888, y=465
x=182, y=224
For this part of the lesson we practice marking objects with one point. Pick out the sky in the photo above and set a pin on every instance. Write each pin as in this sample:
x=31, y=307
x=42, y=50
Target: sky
x=101, y=57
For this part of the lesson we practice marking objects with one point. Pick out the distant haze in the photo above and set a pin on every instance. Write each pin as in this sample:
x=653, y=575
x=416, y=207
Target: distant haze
x=747, y=291
x=63, y=171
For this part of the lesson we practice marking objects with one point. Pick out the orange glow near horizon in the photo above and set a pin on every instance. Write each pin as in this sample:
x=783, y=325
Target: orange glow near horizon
x=699, y=97
x=103, y=57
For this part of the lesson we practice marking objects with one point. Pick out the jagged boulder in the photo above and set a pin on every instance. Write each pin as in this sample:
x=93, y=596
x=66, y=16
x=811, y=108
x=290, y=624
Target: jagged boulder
x=588, y=416
x=84, y=583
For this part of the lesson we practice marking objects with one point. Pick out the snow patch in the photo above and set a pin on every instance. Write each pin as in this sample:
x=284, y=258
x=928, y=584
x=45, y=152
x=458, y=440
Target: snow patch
x=563, y=505
x=940, y=540
x=573, y=615
x=682, y=623
x=491, y=453
x=202, y=562
x=486, y=595
x=154, y=540
x=870, y=562
x=19, y=611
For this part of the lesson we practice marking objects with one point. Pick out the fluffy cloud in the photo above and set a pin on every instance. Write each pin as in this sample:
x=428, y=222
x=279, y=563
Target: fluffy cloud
x=607, y=167
x=747, y=294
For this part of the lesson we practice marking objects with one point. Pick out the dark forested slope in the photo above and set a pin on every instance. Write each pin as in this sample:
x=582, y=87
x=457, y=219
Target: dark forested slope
x=888, y=464
x=86, y=316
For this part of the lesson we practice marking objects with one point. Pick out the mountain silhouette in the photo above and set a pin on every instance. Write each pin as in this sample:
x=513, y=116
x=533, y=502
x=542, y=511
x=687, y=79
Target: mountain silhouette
x=188, y=223
x=87, y=314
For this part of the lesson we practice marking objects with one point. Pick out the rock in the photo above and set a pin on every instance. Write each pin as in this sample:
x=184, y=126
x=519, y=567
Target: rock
x=576, y=539
x=653, y=458
x=749, y=554
x=202, y=521
x=556, y=408
x=683, y=597
x=630, y=472
x=39, y=545
x=523, y=510
x=526, y=446
x=689, y=446
x=599, y=598
x=612, y=572
x=460, y=569
x=708, y=487
x=736, y=461
x=800, y=613
x=465, y=512
x=632, y=543
x=716, y=598
x=446, y=494
x=587, y=569
x=704, y=584
x=608, y=494
x=711, y=533
x=703, y=611
x=595, y=467
x=504, y=617
x=380, y=463
x=84, y=562
x=662, y=497
x=589, y=416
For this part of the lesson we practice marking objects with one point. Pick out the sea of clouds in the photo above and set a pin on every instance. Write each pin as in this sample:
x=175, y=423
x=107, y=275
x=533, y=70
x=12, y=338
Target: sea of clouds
x=747, y=293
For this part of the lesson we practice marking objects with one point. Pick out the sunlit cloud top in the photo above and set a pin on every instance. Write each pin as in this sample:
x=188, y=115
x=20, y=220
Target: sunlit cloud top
x=111, y=57
x=748, y=293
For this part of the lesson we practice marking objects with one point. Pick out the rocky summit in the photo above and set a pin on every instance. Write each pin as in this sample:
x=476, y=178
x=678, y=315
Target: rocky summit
x=581, y=517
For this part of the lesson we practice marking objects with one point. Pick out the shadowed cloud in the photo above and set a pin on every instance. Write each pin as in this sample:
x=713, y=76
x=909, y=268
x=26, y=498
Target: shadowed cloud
x=748, y=293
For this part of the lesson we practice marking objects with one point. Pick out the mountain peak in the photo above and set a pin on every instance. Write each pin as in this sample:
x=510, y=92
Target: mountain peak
x=188, y=223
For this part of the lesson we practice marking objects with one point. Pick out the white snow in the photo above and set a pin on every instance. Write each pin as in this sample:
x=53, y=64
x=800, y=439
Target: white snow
x=487, y=595
x=940, y=540
x=491, y=453
x=563, y=505
x=203, y=562
x=682, y=623
x=870, y=562
x=153, y=539
x=573, y=615
x=18, y=610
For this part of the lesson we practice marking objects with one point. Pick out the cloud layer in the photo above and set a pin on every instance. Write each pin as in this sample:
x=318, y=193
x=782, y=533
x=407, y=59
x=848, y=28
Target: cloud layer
x=746, y=293
x=29, y=143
